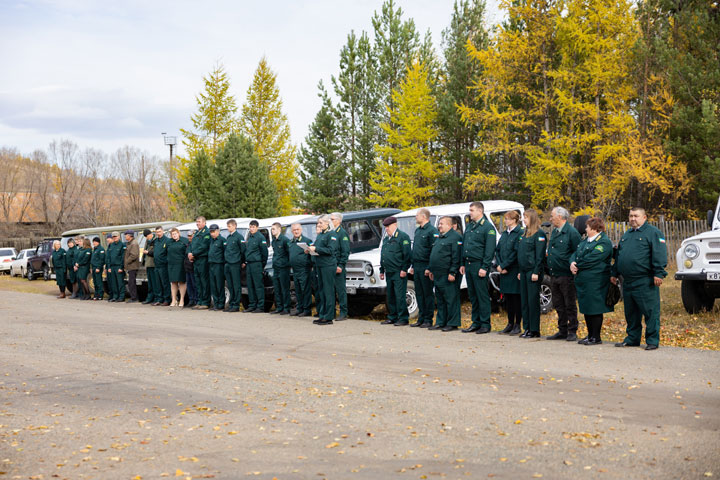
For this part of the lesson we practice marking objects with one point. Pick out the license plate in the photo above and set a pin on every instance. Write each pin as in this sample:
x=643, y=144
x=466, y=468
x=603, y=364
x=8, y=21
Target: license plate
x=713, y=276
x=353, y=290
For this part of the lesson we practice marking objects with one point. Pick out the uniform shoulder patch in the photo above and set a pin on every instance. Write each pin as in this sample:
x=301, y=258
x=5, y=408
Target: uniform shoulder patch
x=492, y=232
x=346, y=239
x=661, y=240
x=405, y=242
x=459, y=243
x=600, y=248
x=265, y=242
x=436, y=235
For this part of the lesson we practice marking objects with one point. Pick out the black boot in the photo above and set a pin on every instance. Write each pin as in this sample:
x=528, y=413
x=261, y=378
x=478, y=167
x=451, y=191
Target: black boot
x=508, y=328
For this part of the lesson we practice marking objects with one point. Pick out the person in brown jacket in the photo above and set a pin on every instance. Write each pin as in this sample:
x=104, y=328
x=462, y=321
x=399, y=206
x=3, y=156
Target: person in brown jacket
x=132, y=263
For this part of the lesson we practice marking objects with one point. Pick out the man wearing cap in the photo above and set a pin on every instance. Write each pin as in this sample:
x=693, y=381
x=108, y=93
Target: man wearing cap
x=281, y=270
x=149, y=261
x=342, y=254
x=478, y=251
x=132, y=263
x=234, y=258
x=256, y=256
x=444, y=270
x=326, y=243
x=115, y=257
x=97, y=263
x=425, y=236
x=198, y=254
x=162, y=297
x=216, y=259
x=395, y=261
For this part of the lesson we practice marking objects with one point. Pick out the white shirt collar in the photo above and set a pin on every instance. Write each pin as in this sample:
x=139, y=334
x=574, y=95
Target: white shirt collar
x=592, y=239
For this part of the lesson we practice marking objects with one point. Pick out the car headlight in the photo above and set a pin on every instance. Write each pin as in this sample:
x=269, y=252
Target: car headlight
x=369, y=270
x=691, y=251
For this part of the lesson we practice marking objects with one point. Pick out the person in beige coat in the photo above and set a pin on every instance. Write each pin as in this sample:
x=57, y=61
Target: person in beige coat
x=132, y=263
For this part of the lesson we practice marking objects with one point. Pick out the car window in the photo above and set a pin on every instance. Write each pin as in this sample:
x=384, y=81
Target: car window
x=6, y=252
x=308, y=231
x=21, y=255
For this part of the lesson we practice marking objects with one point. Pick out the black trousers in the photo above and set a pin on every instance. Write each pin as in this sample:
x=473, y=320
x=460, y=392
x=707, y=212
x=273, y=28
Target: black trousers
x=564, y=299
x=594, y=325
x=132, y=286
x=513, y=307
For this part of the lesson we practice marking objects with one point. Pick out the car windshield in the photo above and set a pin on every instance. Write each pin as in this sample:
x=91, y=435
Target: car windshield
x=408, y=225
x=308, y=230
x=6, y=252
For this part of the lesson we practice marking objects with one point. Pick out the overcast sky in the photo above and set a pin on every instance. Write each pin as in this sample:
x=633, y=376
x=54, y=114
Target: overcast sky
x=108, y=74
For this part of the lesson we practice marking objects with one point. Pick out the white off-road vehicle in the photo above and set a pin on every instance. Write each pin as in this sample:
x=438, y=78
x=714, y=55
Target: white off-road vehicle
x=698, y=263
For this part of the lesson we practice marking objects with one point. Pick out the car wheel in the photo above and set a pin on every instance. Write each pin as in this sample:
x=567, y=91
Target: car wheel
x=30, y=275
x=360, y=309
x=545, y=295
x=694, y=297
x=412, y=302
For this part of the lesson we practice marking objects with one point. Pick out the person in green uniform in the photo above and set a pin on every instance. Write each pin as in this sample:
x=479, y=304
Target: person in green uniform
x=59, y=265
x=234, y=259
x=97, y=262
x=177, y=248
x=591, y=265
x=161, y=267
x=479, y=244
x=115, y=257
x=256, y=255
x=444, y=270
x=301, y=264
x=424, y=239
x=108, y=275
x=82, y=268
x=641, y=261
x=342, y=254
x=506, y=256
x=395, y=261
x=563, y=242
x=216, y=259
x=326, y=245
x=531, y=258
x=148, y=259
x=281, y=270
x=198, y=254
x=71, y=275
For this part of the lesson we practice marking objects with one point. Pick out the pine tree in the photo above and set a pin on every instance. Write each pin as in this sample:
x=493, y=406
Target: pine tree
x=323, y=173
x=406, y=174
x=198, y=186
x=264, y=123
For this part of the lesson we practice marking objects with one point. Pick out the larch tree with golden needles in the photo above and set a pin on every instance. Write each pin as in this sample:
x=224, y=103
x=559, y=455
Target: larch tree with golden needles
x=263, y=122
x=407, y=170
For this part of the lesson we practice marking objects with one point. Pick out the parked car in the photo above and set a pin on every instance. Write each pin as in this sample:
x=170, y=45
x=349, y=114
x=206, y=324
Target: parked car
x=18, y=267
x=39, y=263
x=7, y=256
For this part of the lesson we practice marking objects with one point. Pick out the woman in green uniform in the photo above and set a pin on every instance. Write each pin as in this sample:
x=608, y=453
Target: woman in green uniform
x=70, y=263
x=531, y=259
x=82, y=267
x=58, y=259
x=591, y=266
x=506, y=255
x=176, y=252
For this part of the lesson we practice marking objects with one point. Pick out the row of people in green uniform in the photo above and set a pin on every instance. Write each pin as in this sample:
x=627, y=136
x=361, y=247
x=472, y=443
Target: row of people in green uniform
x=438, y=258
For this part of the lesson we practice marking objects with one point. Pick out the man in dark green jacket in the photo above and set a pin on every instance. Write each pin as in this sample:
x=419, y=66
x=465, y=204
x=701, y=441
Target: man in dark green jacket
x=425, y=236
x=641, y=261
x=395, y=261
x=148, y=259
x=256, y=255
x=479, y=244
x=97, y=263
x=198, y=254
x=115, y=259
x=326, y=245
x=216, y=259
x=563, y=243
x=72, y=275
x=342, y=254
x=281, y=270
x=161, y=267
x=234, y=259
x=301, y=264
x=444, y=270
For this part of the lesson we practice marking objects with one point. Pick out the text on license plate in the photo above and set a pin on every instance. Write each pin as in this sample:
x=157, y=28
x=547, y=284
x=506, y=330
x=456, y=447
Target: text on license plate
x=353, y=290
x=713, y=276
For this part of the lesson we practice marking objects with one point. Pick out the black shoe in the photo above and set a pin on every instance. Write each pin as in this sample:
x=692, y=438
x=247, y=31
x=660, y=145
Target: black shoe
x=324, y=322
x=435, y=327
x=388, y=322
x=471, y=329
x=258, y=310
x=515, y=330
x=316, y=321
x=305, y=314
x=147, y=302
x=132, y=301
x=508, y=328
x=482, y=330
x=276, y=312
x=111, y=300
x=571, y=337
x=232, y=310
x=401, y=324
x=341, y=318
x=593, y=341
x=623, y=344
x=295, y=313
x=557, y=336
x=525, y=334
x=426, y=325
x=284, y=312
x=449, y=328
x=416, y=324
x=534, y=335
x=583, y=340
x=651, y=347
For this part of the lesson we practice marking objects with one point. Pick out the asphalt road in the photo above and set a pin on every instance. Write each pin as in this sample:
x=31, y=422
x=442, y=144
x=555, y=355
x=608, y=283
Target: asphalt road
x=108, y=391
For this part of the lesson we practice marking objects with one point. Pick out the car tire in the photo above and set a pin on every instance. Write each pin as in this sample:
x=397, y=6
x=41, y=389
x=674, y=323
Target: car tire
x=694, y=297
x=46, y=273
x=411, y=298
x=360, y=309
x=29, y=274
x=546, y=305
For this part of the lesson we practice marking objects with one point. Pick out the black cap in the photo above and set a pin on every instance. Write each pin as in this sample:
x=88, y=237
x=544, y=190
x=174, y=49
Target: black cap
x=130, y=232
x=389, y=221
x=96, y=239
x=109, y=235
x=146, y=232
x=214, y=226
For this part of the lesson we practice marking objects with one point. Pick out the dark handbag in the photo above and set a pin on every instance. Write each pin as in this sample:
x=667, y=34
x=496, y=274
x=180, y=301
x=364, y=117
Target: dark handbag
x=613, y=295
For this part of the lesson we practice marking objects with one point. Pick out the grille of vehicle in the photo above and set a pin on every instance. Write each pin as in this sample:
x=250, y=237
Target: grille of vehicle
x=355, y=271
x=714, y=244
x=712, y=257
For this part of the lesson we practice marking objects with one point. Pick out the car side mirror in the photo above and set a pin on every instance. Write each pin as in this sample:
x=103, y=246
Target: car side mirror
x=13, y=258
x=710, y=216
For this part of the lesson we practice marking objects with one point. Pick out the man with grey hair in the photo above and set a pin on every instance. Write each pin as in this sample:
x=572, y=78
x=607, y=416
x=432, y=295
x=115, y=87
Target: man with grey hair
x=342, y=254
x=325, y=246
x=564, y=241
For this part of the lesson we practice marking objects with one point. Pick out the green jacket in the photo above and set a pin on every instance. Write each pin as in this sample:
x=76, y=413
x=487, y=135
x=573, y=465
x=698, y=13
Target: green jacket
x=98, y=257
x=343, y=251
x=326, y=244
x=531, y=252
x=256, y=248
x=82, y=256
x=423, y=242
x=177, y=251
x=59, y=259
x=396, y=253
x=235, y=248
x=562, y=244
x=149, y=258
x=506, y=255
x=160, y=250
x=70, y=257
x=446, y=254
x=115, y=254
x=216, y=253
x=641, y=253
x=200, y=245
x=281, y=252
x=479, y=243
x=298, y=258
x=593, y=261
